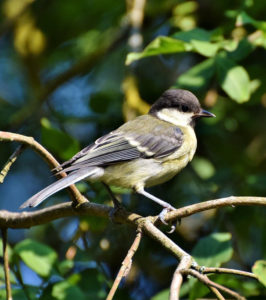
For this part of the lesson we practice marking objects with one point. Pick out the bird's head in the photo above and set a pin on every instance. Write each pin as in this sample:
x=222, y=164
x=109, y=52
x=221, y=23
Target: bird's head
x=179, y=107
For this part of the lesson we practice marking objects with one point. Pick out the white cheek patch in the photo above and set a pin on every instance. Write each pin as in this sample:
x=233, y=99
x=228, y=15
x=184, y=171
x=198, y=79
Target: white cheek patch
x=175, y=117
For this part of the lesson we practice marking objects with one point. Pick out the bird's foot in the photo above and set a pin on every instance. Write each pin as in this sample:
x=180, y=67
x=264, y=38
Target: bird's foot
x=162, y=217
x=118, y=206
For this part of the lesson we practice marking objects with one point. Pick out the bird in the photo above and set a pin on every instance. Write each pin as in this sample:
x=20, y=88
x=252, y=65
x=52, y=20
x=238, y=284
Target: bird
x=144, y=152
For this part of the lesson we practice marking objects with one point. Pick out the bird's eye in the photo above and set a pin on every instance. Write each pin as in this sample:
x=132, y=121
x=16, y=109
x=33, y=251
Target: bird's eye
x=184, y=108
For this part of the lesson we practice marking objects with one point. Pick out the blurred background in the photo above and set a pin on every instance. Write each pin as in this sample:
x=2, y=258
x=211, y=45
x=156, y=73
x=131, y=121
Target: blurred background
x=70, y=71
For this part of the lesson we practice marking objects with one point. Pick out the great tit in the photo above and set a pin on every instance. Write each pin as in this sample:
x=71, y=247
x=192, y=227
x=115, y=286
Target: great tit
x=144, y=152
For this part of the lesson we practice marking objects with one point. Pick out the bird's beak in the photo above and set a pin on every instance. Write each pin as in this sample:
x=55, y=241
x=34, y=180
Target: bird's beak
x=204, y=113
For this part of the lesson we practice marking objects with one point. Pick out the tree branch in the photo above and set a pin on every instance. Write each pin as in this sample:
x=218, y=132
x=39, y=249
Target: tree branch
x=10, y=162
x=6, y=266
x=217, y=203
x=45, y=155
x=126, y=265
x=204, y=279
x=185, y=263
x=206, y=270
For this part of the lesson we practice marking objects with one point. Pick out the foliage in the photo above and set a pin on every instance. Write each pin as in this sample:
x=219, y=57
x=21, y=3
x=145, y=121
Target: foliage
x=65, y=69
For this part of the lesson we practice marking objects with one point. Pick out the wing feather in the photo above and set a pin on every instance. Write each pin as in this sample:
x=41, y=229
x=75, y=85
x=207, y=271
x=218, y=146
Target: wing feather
x=125, y=145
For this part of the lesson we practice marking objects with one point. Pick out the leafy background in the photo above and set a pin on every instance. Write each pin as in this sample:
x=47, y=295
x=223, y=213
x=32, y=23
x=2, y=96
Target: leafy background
x=70, y=74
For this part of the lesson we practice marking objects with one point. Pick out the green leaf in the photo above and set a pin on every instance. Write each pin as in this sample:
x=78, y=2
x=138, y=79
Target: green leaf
x=162, y=295
x=57, y=141
x=39, y=257
x=193, y=34
x=233, y=79
x=259, y=269
x=90, y=282
x=243, y=49
x=161, y=45
x=197, y=77
x=197, y=289
x=205, y=48
x=67, y=291
x=203, y=167
x=243, y=18
x=213, y=250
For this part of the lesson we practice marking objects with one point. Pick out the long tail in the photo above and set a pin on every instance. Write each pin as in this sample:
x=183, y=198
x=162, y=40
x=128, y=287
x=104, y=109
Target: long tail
x=57, y=186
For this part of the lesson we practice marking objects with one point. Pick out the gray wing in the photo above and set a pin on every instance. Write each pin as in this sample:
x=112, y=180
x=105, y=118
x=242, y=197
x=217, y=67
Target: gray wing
x=119, y=146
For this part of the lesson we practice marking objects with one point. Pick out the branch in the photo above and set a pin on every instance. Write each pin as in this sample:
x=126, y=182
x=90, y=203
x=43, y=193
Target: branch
x=177, y=280
x=10, y=162
x=45, y=155
x=126, y=265
x=6, y=266
x=204, y=279
x=217, y=203
x=206, y=270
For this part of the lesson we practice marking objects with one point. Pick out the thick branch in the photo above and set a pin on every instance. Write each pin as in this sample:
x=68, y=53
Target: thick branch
x=177, y=280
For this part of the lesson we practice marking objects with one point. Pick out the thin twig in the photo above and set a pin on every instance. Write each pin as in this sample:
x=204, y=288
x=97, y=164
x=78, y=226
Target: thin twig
x=204, y=279
x=206, y=270
x=6, y=265
x=126, y=265
x=45, y=155
x=216, y=293
x=217, y=203
x=177, y=280
x=10, y=162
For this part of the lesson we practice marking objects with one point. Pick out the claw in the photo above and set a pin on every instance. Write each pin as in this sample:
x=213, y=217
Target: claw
x=162, y=216
x=113, y=211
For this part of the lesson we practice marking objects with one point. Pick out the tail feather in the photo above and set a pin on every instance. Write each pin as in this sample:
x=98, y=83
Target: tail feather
x=56, y=187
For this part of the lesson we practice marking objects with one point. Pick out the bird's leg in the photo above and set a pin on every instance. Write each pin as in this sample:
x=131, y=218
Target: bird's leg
x=167, y=207
x=117, y=204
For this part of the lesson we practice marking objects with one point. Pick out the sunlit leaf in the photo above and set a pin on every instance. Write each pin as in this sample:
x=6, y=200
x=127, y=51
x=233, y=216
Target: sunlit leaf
x=163, y=295
x=243, y=18
x=203, y=167
x=233, y=79
x=259, y=269
x=57, y=141
x=39, y=257
x=161, y=45
x=213, y=250
x=205, y=48
x=67, y=291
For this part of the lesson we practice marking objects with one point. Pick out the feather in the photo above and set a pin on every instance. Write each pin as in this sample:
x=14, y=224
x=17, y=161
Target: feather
x=57, y=186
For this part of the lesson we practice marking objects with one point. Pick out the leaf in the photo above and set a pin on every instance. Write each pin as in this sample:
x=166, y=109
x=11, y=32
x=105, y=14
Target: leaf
x=161, y=45
x=193, y=34
x=39, y=257
x=259, y=269
x=197, y=77
x=213, y=250
x=57, y=141
x=67, y=291
x=203, y=167
x=205, y=48
x=233, y=79
x=243, y=18
x=162, y=295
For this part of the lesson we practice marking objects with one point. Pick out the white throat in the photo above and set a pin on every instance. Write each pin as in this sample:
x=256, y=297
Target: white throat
x=175, y=116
